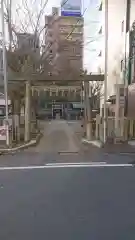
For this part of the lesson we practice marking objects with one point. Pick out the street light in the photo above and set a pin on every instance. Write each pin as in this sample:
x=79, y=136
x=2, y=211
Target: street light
x=5, y=72
x=106, y=70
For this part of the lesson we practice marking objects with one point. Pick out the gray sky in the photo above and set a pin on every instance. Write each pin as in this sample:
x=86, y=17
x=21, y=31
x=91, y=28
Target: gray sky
x=90, y=28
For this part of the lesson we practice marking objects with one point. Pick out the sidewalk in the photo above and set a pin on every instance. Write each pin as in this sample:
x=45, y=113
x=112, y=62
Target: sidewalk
x=111, y=148
x=119, y=148
x=32, y=142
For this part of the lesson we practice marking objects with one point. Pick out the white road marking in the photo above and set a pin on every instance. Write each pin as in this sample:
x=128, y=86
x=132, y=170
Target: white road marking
x=68, y=153
x=80, y=163
x=73, y=165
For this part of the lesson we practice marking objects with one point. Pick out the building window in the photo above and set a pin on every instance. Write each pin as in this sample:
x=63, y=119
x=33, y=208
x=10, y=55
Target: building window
x=121, y=65
x=69, y=37
x=1, y=65
x=51, y=51
x=34, y=66
x=113, y=101
x=49, y=73
x=79, y=30
x=30, y=42
x=100, y=30
x=62, y=29
x=128, y=15
x=122, y=26
x=100, y=54
x=122, y=91
x=74, y=50
x=100, y=6
x=26, y=57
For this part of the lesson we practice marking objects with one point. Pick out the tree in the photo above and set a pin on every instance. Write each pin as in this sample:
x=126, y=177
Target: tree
x=96, y=94
x=27, y=62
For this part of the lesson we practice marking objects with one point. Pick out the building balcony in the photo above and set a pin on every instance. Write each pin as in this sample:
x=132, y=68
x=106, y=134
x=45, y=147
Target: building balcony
x=71, y=21
x=100, y=54
x=67, y=29
x=100, y=30
x=71, y=38
x=73, y=34
x=100, y=6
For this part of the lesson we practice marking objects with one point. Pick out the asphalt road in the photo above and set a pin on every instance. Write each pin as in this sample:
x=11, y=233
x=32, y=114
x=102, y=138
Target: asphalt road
x=68, y=203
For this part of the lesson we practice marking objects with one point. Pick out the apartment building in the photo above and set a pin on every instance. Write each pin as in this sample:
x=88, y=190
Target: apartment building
x=120, y=65
x=64, y=41
x=27, y=41
x=28, y=46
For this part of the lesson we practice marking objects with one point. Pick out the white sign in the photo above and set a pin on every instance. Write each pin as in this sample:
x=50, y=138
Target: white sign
x=3, y=133
x=71, y=8
x=122, y=101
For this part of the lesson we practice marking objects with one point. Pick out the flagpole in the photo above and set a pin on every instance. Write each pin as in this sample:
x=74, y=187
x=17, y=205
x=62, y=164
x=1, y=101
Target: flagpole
x=5, y=73
x=106, y=70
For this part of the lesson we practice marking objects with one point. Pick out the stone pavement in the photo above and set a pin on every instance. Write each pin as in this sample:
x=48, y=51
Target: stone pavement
x=66, y=136
x=58, y=136
x=61, y=143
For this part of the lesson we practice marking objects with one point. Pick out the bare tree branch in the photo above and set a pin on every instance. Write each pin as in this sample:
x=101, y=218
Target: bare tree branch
x=31, y=23
x=40, y=14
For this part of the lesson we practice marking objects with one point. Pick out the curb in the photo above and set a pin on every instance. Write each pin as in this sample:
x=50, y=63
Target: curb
x=21, y=147
x=93, y=143
x=120, y=153
x=104, y=149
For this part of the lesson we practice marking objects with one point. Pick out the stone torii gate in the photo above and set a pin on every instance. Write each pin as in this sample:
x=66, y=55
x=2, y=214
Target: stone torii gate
x=61, y=82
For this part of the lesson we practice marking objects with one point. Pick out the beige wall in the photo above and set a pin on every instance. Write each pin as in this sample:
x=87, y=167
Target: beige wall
x=116, y=47
x=116, y=14
x=132, y=14
x=131, y=101
x=1, y=60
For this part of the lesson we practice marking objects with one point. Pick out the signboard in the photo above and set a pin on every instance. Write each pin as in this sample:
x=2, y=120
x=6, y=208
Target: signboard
x=3, y=133
x=78, y=105
x=122, y=101
x=71, y=8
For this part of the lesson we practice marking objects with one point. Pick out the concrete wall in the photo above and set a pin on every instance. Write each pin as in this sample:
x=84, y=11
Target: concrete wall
x=116, y=43
x=117, y=48
x=131, y=101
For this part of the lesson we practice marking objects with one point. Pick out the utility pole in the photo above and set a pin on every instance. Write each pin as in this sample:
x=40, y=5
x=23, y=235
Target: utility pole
x=27, y=112
x=5, y=72
x=106, y=70
x=9, y=7
x=88, y=116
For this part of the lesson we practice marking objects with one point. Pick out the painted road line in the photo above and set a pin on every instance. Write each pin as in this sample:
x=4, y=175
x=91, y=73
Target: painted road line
x=65, y=166
x=94, y=165
x=68, y=153
x=80, y=163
